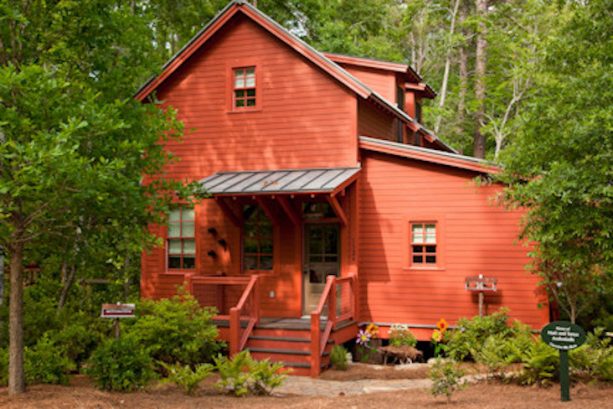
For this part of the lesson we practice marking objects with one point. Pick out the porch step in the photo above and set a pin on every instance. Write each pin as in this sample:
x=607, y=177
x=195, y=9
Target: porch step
x=279, y=351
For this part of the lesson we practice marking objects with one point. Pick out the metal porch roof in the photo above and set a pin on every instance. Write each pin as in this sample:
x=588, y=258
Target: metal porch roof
x=278, y=181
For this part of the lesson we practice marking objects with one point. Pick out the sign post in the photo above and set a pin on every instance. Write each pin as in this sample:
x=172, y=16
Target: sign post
x=563, y=336
x=117, y=311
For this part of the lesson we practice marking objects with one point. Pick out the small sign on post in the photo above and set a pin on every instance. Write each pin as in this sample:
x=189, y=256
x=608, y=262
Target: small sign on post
x=117, y=311
x=563, y=336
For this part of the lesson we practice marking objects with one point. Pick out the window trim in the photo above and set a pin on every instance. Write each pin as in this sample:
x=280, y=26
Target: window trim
x=407, y=242
x=182, y=207
x=231, y=67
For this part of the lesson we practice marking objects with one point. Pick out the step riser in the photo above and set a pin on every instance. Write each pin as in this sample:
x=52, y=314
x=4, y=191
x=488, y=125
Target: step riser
x=279, y=344
x=280, y=357
x=281, y=333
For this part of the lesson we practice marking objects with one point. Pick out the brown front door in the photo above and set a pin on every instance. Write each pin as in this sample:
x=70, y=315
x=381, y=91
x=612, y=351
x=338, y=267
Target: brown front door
x=321, y=259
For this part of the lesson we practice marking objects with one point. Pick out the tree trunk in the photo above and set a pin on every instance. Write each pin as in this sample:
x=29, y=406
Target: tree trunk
x=443, y=97
x=67, y=281
x=16, y=375
x=463, y=74
x=480, y=62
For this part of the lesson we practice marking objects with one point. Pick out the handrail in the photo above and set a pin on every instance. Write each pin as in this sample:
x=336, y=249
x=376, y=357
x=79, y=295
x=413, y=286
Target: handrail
x=319, y=342
x=238, y=342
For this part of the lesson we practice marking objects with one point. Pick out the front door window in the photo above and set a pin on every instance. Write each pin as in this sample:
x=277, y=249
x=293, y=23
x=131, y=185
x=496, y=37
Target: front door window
x=322, y=258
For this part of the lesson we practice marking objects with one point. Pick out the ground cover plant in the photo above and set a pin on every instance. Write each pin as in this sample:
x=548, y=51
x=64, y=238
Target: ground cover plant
x=186, y=377
x=242, y=375
x=338, y=358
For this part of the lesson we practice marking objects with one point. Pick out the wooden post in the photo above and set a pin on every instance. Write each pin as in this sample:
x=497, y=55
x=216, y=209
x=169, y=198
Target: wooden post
x=481, y=303
x=235, y=327
x=315, y=336
x=116, y=328
x=332, y=300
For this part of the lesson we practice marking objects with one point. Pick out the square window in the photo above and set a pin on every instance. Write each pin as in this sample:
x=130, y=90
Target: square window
x=423, y=243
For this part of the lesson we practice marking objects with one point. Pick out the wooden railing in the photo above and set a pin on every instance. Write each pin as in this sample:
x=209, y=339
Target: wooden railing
x=247, y=309
x=238, y=336
x=338, y=299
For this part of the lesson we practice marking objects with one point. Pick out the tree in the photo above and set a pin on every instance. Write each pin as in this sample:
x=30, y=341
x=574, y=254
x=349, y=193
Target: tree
x=75, y=145
x=560, y=164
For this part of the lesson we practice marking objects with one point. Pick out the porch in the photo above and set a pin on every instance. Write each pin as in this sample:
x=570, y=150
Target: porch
x=301, y=344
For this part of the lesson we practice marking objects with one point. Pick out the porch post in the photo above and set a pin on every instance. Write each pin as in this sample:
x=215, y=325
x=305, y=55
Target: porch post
x=234, y=331
x=315, y=336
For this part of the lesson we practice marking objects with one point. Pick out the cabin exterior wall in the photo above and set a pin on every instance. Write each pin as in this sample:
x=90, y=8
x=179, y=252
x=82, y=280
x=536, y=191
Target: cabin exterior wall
x=474, y=236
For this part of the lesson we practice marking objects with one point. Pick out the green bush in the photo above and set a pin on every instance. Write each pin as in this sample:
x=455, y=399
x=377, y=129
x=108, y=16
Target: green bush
x=4, y=367
x=446, y=377
x=594, y=358
x=539, y=364
x=495, y=354
x=78, y=338
x=47, y=362
x=177, y=330
x=187, y=378
x=338, y=358
x=242, y=375
x=121, y=365
x=402, y=337
x=472, y=333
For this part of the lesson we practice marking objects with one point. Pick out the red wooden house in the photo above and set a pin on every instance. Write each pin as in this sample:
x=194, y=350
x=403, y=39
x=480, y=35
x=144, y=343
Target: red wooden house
x=331, y=205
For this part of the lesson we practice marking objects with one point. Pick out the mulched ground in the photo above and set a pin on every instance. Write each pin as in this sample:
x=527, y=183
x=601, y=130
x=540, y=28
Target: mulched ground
x=81, y=394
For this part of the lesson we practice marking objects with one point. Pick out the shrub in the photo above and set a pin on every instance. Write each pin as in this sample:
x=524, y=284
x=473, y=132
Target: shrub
x=187, y=378
x=4, y=367
x=47, y=362
x=595, y=357
x=121, y=365
x=338, y=358
x=242, y=375
x=402, y=337
x=495, y=354
x=79, y=339
x=472, y=333
x=177, y=330
x=539, y=364
x=446, y=377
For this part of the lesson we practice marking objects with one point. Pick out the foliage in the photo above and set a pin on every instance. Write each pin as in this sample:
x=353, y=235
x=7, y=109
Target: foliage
x=47, y=362
x=540, y=364
x=338, y=358
x=494, y=354
x=4, y=366
x=176, y=330
x=402, y=337
x=186, y=377
x=472, y=333
x=595, y=357
x=121, y=365
x=242, y=375
x=559, y=165
x=446, y=377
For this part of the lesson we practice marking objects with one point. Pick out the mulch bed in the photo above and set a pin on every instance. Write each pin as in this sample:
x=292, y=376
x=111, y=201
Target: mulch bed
x=81, y=394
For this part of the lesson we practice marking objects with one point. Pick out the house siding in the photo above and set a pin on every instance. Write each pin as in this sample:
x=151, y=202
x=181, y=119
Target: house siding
x=476, y=236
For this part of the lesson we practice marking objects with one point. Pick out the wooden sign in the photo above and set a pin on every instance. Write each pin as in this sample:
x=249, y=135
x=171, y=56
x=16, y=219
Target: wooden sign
x=117, y=310
x=563, y=336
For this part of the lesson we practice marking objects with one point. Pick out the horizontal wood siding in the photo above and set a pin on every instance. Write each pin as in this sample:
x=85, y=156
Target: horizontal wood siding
x=375, y=122
x=381, y=81
x=306, y=120
x=476, y=236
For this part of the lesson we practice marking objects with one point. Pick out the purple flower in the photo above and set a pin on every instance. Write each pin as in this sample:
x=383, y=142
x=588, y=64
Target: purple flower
x=363, y=337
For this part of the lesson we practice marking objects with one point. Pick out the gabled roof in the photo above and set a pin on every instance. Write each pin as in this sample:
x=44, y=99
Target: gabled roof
x=428, y=155
x=270, y=182
x=311, y=54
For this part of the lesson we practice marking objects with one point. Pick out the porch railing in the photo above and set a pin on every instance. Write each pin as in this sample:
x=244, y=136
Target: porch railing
x=222, y=291
x=338, y=300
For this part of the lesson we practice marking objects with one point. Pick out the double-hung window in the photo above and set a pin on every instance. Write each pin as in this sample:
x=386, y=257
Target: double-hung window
x=423, y=243
x=181, y=242
x=244, y=93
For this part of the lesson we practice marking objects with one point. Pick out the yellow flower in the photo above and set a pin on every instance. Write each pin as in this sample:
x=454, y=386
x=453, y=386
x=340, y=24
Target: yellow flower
x=442, y=325
x=373, y=330
x=437, y=336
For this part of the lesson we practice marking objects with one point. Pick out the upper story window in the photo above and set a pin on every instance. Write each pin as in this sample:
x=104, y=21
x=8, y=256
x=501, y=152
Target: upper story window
x=423, y=243
x=257, y=239
x=181, y=244
x=244, y=94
